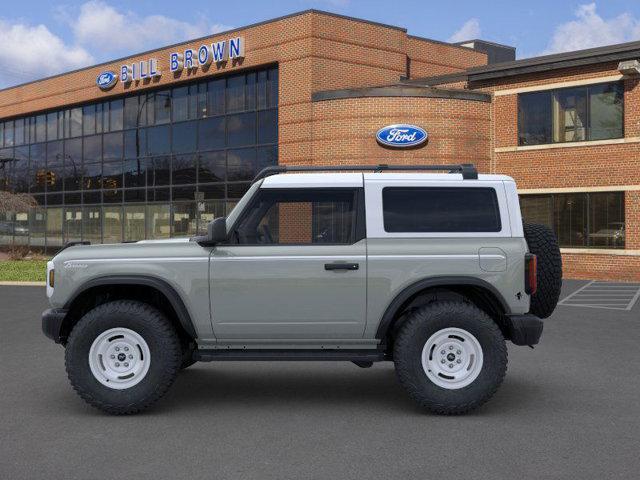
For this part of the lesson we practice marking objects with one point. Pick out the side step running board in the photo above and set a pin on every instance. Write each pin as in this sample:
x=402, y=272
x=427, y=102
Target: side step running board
x=291, y=355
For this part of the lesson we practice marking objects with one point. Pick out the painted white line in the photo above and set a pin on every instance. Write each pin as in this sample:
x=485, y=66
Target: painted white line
x=634, y=300
x=22, y=284
x=596, y=306
x=603, y=295
x=574, y=293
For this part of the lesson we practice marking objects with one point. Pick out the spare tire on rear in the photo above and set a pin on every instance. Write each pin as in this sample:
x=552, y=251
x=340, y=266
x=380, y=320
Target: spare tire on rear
x=544, y=245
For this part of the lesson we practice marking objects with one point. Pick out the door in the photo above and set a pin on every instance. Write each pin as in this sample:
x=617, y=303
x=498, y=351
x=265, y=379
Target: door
x=294, y=267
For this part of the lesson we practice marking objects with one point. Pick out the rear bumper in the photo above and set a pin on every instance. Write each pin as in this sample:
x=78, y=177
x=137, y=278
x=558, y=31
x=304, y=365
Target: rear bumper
x=524, y=329
x=52, y=320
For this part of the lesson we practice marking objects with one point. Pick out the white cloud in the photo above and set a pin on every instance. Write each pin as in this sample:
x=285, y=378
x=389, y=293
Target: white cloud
x=104, y=29
x=591, y=30
x=98, y=32
x=28, y=52
x=469, y=31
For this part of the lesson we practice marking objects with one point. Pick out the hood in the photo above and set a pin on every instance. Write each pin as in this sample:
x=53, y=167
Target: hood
x=166, y=240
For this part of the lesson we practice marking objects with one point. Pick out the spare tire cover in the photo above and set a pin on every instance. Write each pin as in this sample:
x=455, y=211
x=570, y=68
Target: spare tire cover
x=544, y=245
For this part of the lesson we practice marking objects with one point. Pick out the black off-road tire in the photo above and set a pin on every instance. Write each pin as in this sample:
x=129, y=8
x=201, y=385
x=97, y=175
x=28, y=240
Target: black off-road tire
x=544, y=245
x=412, y=337
x=153, y=327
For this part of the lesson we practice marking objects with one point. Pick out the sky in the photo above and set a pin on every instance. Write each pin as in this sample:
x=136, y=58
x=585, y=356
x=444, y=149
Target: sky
x=39, y=38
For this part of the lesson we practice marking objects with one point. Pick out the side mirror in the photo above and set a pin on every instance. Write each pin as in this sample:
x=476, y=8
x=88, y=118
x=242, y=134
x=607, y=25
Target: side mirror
x=217, y=230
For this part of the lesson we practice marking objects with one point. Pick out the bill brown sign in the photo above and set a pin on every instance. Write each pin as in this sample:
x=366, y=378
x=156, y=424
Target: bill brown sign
x=189, y=59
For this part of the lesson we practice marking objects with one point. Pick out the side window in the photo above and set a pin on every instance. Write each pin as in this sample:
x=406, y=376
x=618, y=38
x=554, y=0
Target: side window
x=299, y=217
x=440, y=209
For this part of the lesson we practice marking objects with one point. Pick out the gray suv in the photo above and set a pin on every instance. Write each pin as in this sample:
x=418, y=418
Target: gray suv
x=433, y=271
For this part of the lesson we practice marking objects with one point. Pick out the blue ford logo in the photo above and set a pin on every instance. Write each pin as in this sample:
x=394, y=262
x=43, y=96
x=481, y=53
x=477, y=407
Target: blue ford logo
x=401, y=136
x=106, y=80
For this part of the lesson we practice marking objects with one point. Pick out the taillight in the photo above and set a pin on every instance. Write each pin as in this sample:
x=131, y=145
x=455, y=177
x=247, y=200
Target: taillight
x=530, y=273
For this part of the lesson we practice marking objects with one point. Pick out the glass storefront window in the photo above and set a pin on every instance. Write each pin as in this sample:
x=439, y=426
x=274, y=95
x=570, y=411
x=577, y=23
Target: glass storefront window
x=212, y=167
x=235, y=93
x=183, y=169
x=37, y=226
x=116, y=118
x=184, y=219
x=55, y=167
x=92, y=224
x=159, y=140
x=72, y=224
x=208, y=212
x=20, y=176
x=162, y=107
x=54, y=227
x=21, y=228
x=158, y=221
x=184, y=136
x=180, y=104
x=134, y=223
x=211, y=133
x=75, y=122
x=112, y=146
x=19, y=131
x=112, y=225
x=89, y=120
x=580, y=220
x=167, y=153
x=241, y=130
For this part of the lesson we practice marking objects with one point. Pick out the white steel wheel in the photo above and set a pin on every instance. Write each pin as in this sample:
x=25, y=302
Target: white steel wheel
x=452, y=358
x=119, y=358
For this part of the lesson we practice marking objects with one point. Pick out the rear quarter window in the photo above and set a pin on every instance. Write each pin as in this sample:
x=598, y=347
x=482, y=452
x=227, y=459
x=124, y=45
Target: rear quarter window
x=440, y=209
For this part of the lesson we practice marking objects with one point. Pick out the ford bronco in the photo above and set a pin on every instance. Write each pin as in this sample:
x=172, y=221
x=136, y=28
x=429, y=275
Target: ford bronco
x=433, y=271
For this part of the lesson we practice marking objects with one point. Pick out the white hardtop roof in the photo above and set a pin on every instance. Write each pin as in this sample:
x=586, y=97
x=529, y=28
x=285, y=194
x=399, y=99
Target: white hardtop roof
x=309, y=180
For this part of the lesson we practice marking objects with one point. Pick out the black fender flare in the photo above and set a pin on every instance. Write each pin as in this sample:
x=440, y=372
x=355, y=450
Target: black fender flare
x=431, y=282
x=143, y=280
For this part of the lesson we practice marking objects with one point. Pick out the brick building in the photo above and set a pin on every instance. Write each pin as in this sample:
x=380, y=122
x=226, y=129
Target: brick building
x=157, y=144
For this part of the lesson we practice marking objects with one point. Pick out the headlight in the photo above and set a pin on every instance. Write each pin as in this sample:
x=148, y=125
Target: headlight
x=50, y=278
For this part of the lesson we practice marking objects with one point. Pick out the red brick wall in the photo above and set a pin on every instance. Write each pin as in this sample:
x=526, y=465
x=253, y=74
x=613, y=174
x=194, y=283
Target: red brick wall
x=429, y=58
x=579, y=167
x=344, y=130
x=601, y=267
x=632, y=217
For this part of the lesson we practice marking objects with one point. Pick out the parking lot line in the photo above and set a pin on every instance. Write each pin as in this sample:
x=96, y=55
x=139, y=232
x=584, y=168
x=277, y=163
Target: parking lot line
x=612, y=296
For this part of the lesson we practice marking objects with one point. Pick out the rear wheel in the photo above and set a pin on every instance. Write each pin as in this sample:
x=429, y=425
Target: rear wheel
x=122, y=356
x=450, y=356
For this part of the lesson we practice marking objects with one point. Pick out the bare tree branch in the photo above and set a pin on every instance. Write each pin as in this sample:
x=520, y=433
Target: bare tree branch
x=16, y=202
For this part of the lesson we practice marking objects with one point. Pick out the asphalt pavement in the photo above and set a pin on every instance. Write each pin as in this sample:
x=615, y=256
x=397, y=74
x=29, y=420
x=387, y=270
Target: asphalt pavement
x=568, y=409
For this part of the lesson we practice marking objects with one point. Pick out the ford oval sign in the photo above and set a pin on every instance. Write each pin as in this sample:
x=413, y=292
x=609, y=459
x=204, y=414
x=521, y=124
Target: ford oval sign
x=106, y=80
x=401, y=136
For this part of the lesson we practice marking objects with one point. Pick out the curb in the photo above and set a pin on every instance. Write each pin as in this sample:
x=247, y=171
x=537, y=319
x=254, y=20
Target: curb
x=23, y=284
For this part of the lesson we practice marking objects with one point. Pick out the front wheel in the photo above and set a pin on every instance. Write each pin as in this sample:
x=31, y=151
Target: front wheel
x=122, y=356
x=451, y=357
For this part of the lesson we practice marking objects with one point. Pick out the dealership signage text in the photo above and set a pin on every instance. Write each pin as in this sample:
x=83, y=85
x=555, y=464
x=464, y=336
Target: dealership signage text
x=188, y=59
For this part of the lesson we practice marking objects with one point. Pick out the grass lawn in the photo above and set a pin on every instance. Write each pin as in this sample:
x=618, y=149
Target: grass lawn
x=23, y=270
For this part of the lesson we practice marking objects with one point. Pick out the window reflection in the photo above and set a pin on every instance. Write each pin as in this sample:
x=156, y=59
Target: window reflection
x=175, y=142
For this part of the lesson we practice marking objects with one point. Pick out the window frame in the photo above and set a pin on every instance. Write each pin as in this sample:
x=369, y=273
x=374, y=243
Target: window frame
x=552, y=93
x=358, y=229
x=374, y=207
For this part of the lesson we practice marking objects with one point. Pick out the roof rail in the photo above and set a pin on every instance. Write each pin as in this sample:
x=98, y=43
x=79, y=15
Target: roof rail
x=468, y=170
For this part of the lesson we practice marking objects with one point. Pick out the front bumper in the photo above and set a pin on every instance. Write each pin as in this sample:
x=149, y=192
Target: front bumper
x=524, y=329
x=52, y=322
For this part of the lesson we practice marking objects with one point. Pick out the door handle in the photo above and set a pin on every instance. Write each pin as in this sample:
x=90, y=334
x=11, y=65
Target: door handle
x=341, y=266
